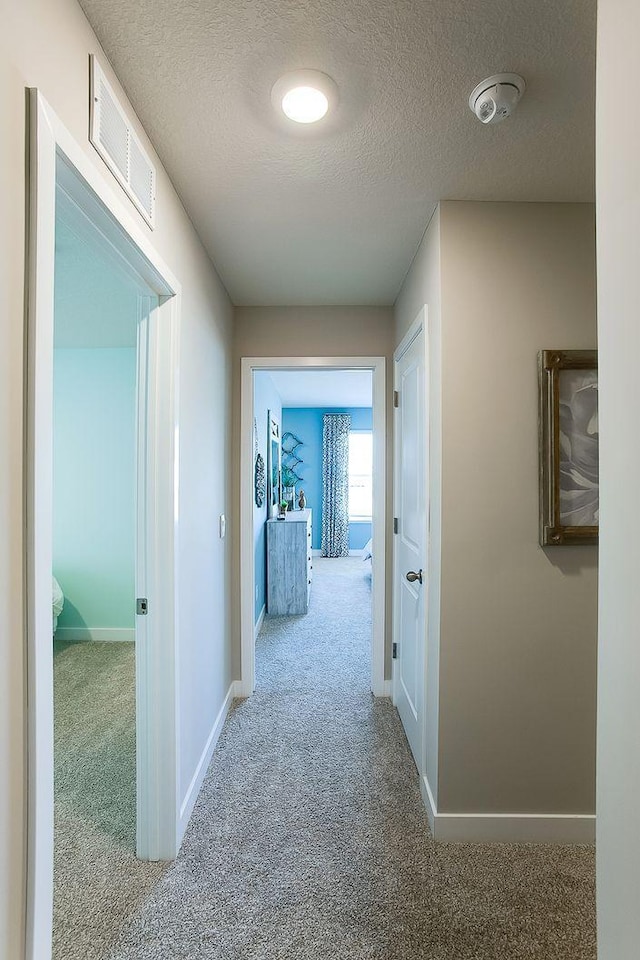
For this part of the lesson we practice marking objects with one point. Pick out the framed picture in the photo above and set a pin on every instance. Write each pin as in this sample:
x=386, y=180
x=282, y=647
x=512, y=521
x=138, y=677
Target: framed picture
x=274, y=456
x=568, y=432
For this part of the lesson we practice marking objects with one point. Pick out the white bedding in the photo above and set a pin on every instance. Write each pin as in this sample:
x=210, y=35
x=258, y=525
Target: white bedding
x=57, y=602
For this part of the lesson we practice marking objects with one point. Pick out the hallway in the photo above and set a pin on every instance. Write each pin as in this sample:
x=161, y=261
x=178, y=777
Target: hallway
x=310, y=840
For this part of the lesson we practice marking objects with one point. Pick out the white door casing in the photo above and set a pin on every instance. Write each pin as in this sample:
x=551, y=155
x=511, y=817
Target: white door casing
x=410, y=541
x=377, y=365
x=58, y=164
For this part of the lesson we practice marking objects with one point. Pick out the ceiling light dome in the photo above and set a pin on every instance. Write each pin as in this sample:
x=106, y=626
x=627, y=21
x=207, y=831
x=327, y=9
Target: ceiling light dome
x=305, y=104
x=304, y=96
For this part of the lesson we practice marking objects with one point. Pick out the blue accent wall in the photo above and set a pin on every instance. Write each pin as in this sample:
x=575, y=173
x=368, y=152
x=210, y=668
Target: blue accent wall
x=306, y=423
x=94, y=450
x=265, y=398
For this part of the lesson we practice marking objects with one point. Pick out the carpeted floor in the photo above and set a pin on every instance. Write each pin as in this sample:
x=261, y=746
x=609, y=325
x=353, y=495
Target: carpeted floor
x=98, y=883
x=310, y=842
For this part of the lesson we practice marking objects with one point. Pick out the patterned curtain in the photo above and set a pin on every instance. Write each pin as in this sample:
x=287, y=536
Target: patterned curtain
x=335, y=484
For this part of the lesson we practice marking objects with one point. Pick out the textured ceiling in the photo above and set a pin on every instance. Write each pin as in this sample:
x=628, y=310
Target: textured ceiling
x=333, y=213
x=323, y=388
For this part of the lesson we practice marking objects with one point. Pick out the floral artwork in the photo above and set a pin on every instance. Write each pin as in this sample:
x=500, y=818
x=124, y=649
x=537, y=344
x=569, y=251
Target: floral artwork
x=569, y=447
x=579, y=492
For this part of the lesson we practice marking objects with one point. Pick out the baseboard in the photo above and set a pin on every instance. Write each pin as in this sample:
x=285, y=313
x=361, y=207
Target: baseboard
x=507, y=827
x=189, y=802
x=430, y=805
x=86, y=634
x=240, y=691
x=260, y=620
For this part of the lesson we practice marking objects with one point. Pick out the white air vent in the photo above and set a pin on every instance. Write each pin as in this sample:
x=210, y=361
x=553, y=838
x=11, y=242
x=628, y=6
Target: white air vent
x=114, y=138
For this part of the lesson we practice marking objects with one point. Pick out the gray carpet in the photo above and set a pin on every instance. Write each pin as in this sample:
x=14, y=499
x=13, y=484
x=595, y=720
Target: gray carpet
x=98, y=883
x=310, y=841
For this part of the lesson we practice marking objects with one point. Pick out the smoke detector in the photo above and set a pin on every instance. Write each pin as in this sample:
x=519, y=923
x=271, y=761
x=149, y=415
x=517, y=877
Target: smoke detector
x=496, y=98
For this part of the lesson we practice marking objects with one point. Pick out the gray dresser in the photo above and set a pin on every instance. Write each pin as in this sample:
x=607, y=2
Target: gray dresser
x=289, y=567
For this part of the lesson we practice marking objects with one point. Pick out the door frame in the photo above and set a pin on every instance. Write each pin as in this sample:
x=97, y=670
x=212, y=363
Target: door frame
x=56, y=161
x=377, y=365
x=419, y=325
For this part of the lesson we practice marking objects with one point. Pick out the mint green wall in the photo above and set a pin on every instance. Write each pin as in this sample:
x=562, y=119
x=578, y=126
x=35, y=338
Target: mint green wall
x=94, y=485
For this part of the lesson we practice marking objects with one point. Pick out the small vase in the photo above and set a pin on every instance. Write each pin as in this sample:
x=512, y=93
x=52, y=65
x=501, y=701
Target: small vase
x=302, y=500
x=289, y=494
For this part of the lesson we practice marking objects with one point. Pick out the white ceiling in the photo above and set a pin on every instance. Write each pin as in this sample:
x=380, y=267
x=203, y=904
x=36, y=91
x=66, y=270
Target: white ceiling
x=323, y=388
x=333, y=213
x=95, y=303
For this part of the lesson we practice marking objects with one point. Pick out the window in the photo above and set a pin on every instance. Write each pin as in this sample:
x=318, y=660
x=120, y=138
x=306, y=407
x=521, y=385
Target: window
x=360, y=475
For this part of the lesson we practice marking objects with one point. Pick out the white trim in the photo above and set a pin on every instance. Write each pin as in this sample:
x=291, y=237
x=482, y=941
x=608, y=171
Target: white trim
x=157, y=680
x=566, y=828
x=39, y=532
x=99, y=634
x=377, y=365
x=56, y=160
x=194, y=787
x=387, y=689
x=430, y=804
x=420, y=323
x=260, y=619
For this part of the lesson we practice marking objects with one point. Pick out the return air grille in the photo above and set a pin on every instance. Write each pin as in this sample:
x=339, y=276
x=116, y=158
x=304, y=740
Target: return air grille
x=113, y=136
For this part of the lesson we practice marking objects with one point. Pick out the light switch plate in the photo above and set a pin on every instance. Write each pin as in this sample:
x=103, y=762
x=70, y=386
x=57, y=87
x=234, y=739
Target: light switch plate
x=223, y=526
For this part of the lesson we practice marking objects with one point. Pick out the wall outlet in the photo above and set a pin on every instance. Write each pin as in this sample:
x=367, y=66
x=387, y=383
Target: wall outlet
x=223, y=526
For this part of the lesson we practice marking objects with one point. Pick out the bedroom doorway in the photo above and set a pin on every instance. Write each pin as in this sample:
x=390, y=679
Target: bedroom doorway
x=71, y=203
x=100, y=307
x=343, y=526
x=313, y=569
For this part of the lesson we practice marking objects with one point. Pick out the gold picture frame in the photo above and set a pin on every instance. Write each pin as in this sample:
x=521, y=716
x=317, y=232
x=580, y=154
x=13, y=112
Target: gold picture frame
x=568, y=447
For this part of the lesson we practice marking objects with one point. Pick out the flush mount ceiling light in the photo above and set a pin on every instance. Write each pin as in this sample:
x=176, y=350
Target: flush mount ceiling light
x=304, y=96
x=496, y=98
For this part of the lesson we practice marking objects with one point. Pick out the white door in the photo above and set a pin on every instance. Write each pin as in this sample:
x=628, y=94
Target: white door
x=410, y=573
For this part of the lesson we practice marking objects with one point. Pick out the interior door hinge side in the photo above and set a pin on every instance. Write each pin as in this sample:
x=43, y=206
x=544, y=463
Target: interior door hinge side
x=394, y=651
x=396, y=398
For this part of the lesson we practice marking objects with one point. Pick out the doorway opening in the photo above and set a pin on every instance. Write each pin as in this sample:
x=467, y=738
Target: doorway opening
x=108, y=391
x=312, y=515
x=100, y=308
x=313, y=530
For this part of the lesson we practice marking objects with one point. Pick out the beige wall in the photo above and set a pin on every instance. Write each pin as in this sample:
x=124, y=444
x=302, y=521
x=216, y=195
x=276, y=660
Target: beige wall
x=313, y=332
x=618, y=209
x=46, y=44
x=517, y=622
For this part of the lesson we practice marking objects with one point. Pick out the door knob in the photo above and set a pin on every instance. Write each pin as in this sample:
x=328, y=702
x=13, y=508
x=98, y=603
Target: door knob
x=412, y=577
